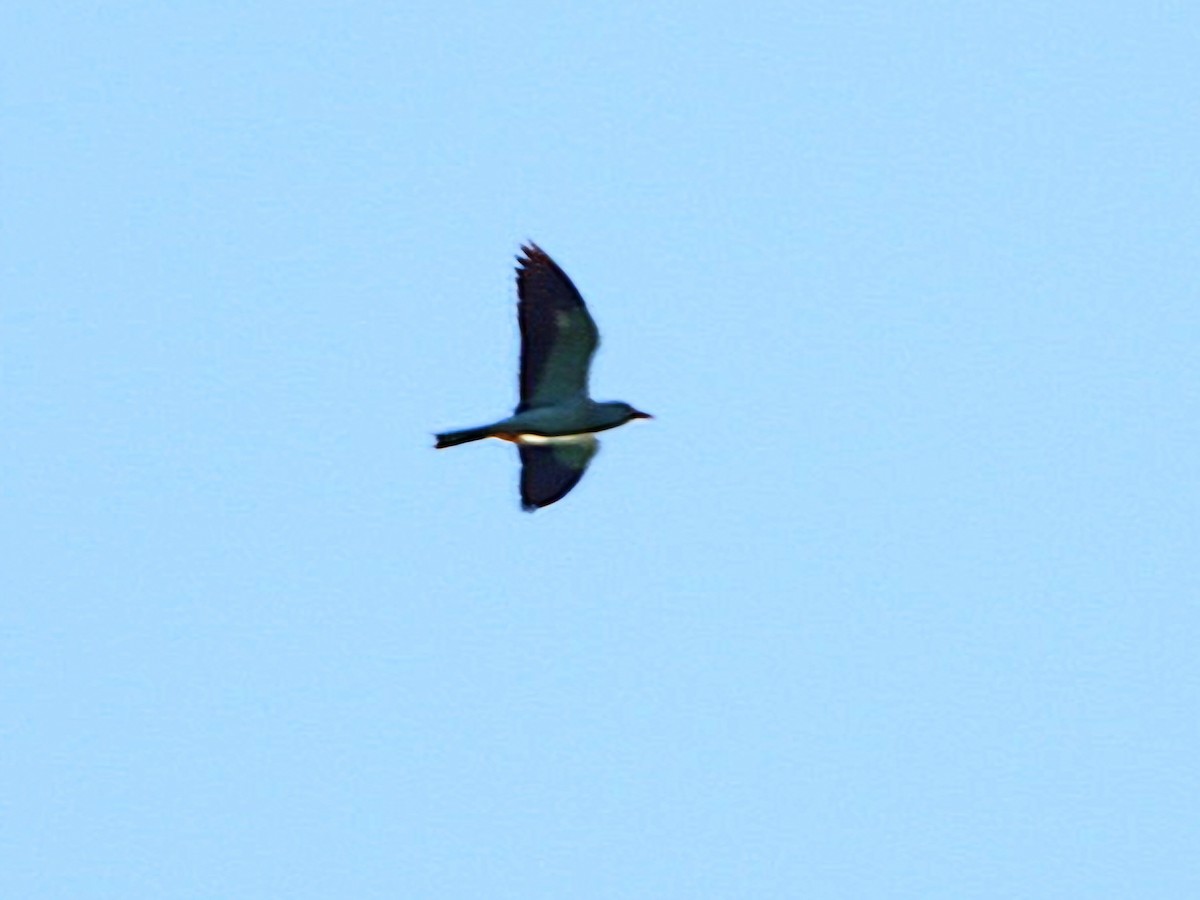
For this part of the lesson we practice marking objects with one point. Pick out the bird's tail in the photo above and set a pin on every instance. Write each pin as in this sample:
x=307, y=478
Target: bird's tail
x=454, y=438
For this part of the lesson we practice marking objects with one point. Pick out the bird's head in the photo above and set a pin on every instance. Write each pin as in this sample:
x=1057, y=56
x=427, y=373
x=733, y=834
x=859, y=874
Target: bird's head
x=622, y=412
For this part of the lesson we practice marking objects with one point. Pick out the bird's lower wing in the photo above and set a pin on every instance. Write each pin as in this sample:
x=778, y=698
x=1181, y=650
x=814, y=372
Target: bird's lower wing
x=549, y=471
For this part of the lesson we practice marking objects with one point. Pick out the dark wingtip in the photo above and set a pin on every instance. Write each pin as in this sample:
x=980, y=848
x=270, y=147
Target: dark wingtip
x=529, y=253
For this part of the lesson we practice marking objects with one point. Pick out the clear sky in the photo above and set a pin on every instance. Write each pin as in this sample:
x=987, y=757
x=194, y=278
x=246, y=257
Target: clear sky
x=897, y=597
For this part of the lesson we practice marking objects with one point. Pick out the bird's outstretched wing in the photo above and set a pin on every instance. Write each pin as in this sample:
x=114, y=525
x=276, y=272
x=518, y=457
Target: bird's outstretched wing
x=549, y=471
x=558, y=336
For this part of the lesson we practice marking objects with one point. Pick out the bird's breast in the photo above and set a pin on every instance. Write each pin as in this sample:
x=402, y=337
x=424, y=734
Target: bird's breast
x=546, y=439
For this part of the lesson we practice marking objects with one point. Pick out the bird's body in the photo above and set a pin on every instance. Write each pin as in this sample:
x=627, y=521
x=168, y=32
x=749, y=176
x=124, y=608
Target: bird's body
x=546, y=424
x=556, y=420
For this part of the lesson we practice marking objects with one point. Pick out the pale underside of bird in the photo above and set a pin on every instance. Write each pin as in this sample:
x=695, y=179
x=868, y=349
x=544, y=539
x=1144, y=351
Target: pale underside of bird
x=555, y=423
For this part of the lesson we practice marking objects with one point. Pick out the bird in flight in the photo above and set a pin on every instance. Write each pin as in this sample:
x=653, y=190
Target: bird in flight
x=555, y=423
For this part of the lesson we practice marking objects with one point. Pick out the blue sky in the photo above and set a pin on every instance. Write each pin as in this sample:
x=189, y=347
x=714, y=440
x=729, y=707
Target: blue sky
x=896, y=597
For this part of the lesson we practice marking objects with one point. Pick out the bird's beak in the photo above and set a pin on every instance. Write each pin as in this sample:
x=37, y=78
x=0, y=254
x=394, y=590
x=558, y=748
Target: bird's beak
x=641, y=415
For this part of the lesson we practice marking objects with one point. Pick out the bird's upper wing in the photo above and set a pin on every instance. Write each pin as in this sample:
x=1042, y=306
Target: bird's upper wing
x=558, y=336
x=549, y=471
